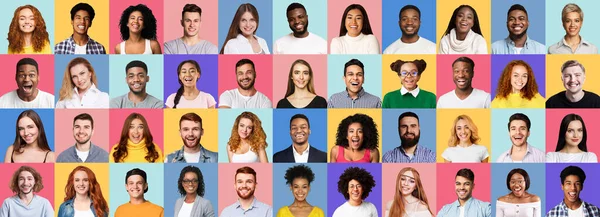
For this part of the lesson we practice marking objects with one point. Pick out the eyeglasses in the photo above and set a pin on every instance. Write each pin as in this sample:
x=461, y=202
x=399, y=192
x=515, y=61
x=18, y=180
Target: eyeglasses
x=520, y=182
x=187, y=182
x=405, y=73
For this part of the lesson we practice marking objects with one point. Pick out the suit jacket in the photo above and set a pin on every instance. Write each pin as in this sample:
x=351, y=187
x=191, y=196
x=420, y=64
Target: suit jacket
x=287, y=155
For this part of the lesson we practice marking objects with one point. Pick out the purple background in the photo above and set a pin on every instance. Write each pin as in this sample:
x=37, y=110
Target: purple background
x=208, y=79
x=336, y=199
x=537, y=63
x=589, y=193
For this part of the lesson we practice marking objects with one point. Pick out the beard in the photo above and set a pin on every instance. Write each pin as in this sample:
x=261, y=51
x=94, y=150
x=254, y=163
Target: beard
x=304, y=30
x=409, y=35
x=250, y=86
x=409, y=143
x=195, y=144
x=250, y=194
x=514, y=37
x=85, y=140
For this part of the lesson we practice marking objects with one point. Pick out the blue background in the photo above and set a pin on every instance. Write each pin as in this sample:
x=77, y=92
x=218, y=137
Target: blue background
x=99, y=63
x=282, y=195
x=118, y=83
x=391, y=139
x=316, y=11
x=336, y=71
x=227, y=9
x=227, y=119
x=172, y=171
x=391, y=29
x=500, y=135
x=537, y=186
x=118, y=192
x=8, y=9
x=281, y=128
x=535, y=13
x=8, y=129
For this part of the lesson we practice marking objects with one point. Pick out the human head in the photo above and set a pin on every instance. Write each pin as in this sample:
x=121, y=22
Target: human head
x=136, y=183
x=362, y=183
x=245, y=182
x=460, y=15
x=191, y=19
x=517, y=181
x=517, y=76
x=29, y=128
x=27, y=78
x=297, y=19
x=26, y=180
x=409, y=20
x=190, y=129
x=463, y=70
x=256, y=137
x=135, y=129
x=147, y=20
x=463, y=127
x=188, y=73
x=300, y=76
x=191, y=176
x=409, y=129
x=245, y=74
x=27, y=19
x=93, y=189
x=299, y=129
x=519, y=127
x=82, y=15
x=354, y=76
x=358, y=127
x=517, y=21
x=572, y=128
x=79, y=73
x=571, y=181
x=464, y=183
x=573, y=76
x=409, y=72
x=136, y=75
x=363, y=25
x=408, y=181
x=572, y=19
x=83, y=128
x=299, y=178
x=234, y=28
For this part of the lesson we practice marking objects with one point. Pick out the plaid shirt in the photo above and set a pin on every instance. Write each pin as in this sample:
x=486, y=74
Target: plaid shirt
x=561, y=210
x=68, y=47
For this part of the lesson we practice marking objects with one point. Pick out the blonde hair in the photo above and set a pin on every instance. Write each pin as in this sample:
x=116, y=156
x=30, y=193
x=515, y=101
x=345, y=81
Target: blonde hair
x=66, y=90
x=571, y=7
x=453, y=141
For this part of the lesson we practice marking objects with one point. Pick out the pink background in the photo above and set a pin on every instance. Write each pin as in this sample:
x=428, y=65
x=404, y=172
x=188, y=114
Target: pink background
x=481, y=79
x=281, y=69
x=9, y=70
x=335, y=10
x=45, y=170
x=64, y=128
x=446, y=174
x=428, y=179
x=555, y=116
x=263, y=65
x=154, y=117
x=117, y=8
x=227, y=192
x=209, y=22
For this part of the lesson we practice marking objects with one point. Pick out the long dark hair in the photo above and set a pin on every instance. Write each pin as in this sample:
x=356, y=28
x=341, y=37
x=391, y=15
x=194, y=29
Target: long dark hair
x=452, y=23
x=564, y=124
x=19, y=143
x=149, y=30
x=180, y=90
x=234, y=28
x=366, y=28
x=291, y=87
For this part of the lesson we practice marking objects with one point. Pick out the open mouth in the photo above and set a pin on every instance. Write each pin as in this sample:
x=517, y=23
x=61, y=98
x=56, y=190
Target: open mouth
x=28, y=88
x=517, y=28
x=299, y=26
x=518, y=138
x=462, y=193
x=82, y=27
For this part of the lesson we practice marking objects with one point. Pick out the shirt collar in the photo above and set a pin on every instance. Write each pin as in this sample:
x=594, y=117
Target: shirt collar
x=304, y=152
x=92, y=89
x=180, y=156
x=512, y=43
x=457, y=204
x=414, y=153
x=238, y=205
x=510, y=150
x=564, y=207
x=581, y=41
x=414, y=92
x=358, y=95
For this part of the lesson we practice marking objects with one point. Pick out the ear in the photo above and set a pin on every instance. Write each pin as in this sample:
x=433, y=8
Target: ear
x=147, y=78
x=399, y=22
x=201, y=132
x=181, y=23
x=309, y=131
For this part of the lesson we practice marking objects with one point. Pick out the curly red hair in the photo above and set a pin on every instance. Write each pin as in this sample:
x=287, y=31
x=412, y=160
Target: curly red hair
x=505, y=88
x=39, y=36
x=258, y=137
x=95, y=193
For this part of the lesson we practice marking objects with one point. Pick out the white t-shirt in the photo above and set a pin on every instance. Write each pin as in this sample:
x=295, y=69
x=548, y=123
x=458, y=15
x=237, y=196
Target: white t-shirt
x=234, y=99
x=462, y=211
x=311, y=44
x=472, y=154
x=361, y=44
x=477, y=99
x=87, y=213
x=12, y=100
x=365, y=209
x=575, y=213
x=191, y=158
x=186, y=209
x=583, y=157
x=203, y=100
x=421, y=46
x=80, y=49
x=241, y=45
x=82, y=154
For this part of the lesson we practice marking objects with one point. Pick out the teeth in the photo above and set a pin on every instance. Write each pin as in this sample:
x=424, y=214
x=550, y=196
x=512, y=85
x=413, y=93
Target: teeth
x=137, y=86
x=81, y=27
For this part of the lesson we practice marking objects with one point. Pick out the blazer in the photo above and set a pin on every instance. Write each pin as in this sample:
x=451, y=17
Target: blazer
x=202, y=207
x=287, y=155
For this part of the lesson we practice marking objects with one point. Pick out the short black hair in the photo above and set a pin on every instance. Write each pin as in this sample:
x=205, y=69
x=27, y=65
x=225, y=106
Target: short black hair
x=361, y=175
x=243, y=62
x=299, y=171
x=466, y=173
x=465, y=60
x=518, y=171
x=27, y=61
x=353, y=62
x=572, y=170
x=139, y=172
x=516, y=7
x=193, y=169
x=83, y=7
x=519, y=117
x=192, y=8
x=84, y=116
x=137, y=63
x=407, y=114
x=296, y=116
x=295, y=5
x=407, y=7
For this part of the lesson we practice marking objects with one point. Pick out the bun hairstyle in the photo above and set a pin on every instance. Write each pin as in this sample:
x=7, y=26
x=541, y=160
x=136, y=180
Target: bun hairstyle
x=420, y=63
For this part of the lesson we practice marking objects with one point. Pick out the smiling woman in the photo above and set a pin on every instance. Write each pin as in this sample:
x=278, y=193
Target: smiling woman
x=410, y=95
x=136, y=143
x=462, y=147
x=300, y=89
x=463, y=35
x=299, y=178
x=84, y=192
x=30, y=144
x=518, y=201
x=517, y=87
x=356, y=35
x=78, y=88
x=138, y=31
x=27, y=32
x=241, y=37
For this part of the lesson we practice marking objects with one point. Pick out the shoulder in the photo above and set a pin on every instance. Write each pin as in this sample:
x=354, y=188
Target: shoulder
x=371, y=37
x=427, y=93
x=172, y=42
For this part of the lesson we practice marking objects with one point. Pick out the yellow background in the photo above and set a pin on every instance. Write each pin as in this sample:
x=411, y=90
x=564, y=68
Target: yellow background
x=172, y=137
x=335, y=116
x=391, y=81
x=61, y=174
x=98, y=31
x=554, y=84
x=483, y=9
x=445, y=122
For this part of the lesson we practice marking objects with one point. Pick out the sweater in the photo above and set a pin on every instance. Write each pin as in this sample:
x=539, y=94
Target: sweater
x=514, y=100
x=136, y=153
x=395, y=99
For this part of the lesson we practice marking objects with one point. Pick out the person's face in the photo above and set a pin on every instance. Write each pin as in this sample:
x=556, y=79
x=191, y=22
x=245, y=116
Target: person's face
x=517, y=23
x=27, y=79
x=517, y=184
x=354, y=22
x=191, y=23
x=189, y=75
x=28, y=130
x=464, y=20
x=463, y=75
x=572, y=187
x=136, y=131
x=298, y=21
x=518, y=78
x=82, y=131
x=572, y=23
x=81, y=22
x=299, y=131
x=245, y=76
x=81, y=182
x=354, y=79
x=248, y=24
x=410, y=22
x=408, y=184
x=573, y=78
x=409, y=76
x=300, y=75
x=245, y=128
x=574, y=133
x=136, y=79
x=463, y=187
x=518, y=132
x=355, y=135
x=355, y=190
x=81, y=77
x=245, y=184
x=26, y=21
x=190, y=182
x=136, y=22
x=191, y=133
x=462, y=131
x=410, y=131
x=26, y=182
x=135, y=186
x=300, y=188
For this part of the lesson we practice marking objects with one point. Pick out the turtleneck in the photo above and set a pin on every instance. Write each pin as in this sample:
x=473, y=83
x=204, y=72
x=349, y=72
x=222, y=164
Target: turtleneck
x=136, y=152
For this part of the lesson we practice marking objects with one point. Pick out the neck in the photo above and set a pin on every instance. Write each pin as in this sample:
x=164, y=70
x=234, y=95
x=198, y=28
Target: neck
x=32, y=145
x=352, y=94
x=25, y=98
x=26, y=197
x=27, y=38
x=137, y=97
x=462, y=202
x=462, y=94
x=409, y=198
x=521, y=148
x=465, y=144
x=249, y=92
x=249, y=37
x=300, y=147
x=410, y=150
x=301, y=92
x=82, y=198
x=190, y=91
x=303, y=35
x=135, y=37
x=192, y=150
x=575, y=97
x=355, y=203
x=80, y=39
x=572, y=40
x=409, y=39
x=83, y=147
x=571, y=149
x=573, y=205
x=519, y=40
x=246, y=203
x=298, y=203
x=137, y=201
x=461, y=36
x=190, y=198
x=82, y=91
x=190, y=40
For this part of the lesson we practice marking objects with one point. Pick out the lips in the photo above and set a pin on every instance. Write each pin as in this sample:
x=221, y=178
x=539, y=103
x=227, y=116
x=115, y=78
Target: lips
x=461, y=193
x=137, y=85
x=299, y=26
x=81, y=27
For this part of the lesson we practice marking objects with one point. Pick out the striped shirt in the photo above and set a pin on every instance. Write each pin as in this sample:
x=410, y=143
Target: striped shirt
x=421, y=155
x=561, y=210
x=363, y=100
x=533, y=155
x=68, y=47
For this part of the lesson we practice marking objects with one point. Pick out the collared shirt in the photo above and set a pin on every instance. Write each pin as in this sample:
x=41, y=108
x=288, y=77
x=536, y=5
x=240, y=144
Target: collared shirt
x=472, y=208
x=414, y=92
x=507, y=46
x=420, y=155
x=206, y=156
x=257, y=209
x=96, y=155
x=584, y=47
x=363, y=100
x=533, y=155
x=68, y=47
x=67, y=209
x=301, y=157
x=92, y=98
x=561, y=210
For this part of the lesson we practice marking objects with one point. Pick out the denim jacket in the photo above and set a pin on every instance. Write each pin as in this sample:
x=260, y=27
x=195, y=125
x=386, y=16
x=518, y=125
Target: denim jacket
x=206, y=156
x=66, y=209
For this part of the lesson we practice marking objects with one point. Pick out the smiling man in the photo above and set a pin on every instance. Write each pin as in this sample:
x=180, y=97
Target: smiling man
x=245, y=95
x=409, y=151
x=190, y=42
x=83, y=151
x=246, y=205
x=26, y=182
x=136, y=76
x=519, y=127
x=300, y=41
x=572, y=179
x=410, y=42
x=300, y=151
x=466, y=205
x=82, y=15
x=27, y=94
x=354, y=96
x=191, y=131
x=464, y=95
x=573, y=78
x=517, y=42
x=136, y=184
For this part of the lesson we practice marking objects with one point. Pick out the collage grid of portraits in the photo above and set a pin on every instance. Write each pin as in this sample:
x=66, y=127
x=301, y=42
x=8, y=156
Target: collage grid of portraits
x=403, y=76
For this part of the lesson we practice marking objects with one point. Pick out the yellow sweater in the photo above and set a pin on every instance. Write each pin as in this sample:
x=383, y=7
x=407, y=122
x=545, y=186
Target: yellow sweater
x=145, y=209
x=514, y=100
x=29, y=50
x=285, y=212
x=136, y=153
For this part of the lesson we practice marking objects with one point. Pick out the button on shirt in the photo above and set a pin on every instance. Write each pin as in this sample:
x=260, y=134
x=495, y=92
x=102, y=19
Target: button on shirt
x=301, y=157
x=472, y=208
x=507, y=46
x=92, y=98
x=363, y=100
x=257, y=209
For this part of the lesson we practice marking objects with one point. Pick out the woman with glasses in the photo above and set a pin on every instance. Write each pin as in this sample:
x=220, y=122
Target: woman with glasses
x=410, y=95
x=191, y=188
x=518, y=202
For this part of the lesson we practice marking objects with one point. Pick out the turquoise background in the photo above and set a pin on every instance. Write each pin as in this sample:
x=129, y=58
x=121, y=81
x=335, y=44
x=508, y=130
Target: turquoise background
x=227, y=119
x=589, y=31
x=500, y=135
x=8, y=9
x=336, y=70
x=118, y=192
x=118, y=84
x=316, y=11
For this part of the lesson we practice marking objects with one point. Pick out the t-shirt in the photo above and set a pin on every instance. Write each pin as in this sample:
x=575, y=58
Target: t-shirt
x=472, y=154
x=317, y=102
x=576, y=212
x=124, y=102
x=38, y=207
x=203, y=100
x=177, y=46
x=145, y=209
x=12, y=100
x=29, y=50
x=186, y=209
x=80, y=49
x=82, y=154
x=311, y=44
x=87, y=213
x=589, y=100
x=234, y=99
x=477, y=99
x=191, y=158
x=421, y=46
x=365, y=209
